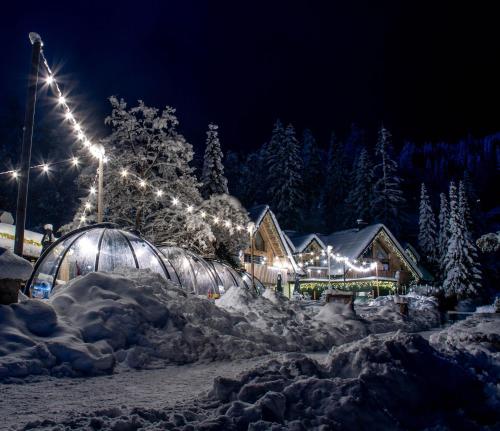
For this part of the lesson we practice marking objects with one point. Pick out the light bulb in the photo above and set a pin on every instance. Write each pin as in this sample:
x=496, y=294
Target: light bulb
x=15, y=174
x=142, y=183
x=189, y=209
x=49, y=80
x=92, y=190
x=45, y=167
x=61, y=100
x=75, y=161
x=124, y=173
x=159, y=193
x=88, y=205
x=175, y=201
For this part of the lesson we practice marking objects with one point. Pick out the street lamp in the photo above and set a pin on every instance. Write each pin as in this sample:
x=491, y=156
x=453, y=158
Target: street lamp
x=97, y=151
x=328, y=253
x=251, y=231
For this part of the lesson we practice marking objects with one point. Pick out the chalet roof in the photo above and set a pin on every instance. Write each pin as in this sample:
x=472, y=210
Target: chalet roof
x=353, y=242
x=257, y=215
x=299, y=241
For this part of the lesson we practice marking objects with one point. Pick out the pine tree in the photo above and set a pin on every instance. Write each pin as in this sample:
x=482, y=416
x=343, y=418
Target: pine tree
x=427, y=227
x=358, y=202
x=444, y=233
x=285, y=179
x=213, y=180
x=336, y=186
x=313, y=176
x=388, y=198
x=462, y=276
x=470, y=246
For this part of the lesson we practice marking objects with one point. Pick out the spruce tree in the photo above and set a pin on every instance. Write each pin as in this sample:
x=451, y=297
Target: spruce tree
x=470, y=246
x=358, y=202
x=213, y=180
x=427, y=227
x=285, y=178
x=313, y=175
x=336, y=186
x=443, y=232
x=462, y=276
x=388, y=197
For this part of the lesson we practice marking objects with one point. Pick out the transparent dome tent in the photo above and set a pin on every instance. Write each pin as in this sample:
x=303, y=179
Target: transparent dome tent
x=104, y=247
x=100, y=247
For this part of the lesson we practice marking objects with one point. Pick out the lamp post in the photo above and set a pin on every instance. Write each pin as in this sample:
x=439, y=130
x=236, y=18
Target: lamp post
x=22, y=191
x=250, y=230
x=328, y=252
x=98, y=152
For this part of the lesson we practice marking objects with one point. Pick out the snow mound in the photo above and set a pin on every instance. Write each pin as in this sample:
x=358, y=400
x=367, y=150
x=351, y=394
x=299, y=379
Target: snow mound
x=415, y=301
x=476, y=341
x=136, y=320
x=14, y=267
x=385, y=382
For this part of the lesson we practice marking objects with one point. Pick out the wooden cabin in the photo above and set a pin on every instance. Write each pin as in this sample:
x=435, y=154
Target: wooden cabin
x=272, y=256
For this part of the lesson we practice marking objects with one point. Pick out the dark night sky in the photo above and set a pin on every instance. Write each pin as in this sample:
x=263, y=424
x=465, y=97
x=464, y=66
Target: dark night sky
x=429, y=71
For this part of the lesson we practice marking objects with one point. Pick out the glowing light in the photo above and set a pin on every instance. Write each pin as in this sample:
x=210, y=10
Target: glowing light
x=92, y=190
x=105, y=159
x=227, y=223
x=75, y=161
x=15, y=174
x=203, y=214
x=175, y=201
x=77, y=127
x=87, y=143
x=124, y=173
x=45, y=168
x=61, y=100
x=142, y=183
x=69, y=116
x=189, y=209
x=159, y=193
x=88, y=205
x=83, y=218
x=80, y=136
x=49, y=80
x=216, y=219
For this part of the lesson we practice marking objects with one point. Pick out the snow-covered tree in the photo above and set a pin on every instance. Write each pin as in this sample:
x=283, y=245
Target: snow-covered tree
x=489, y=243
x=285, y=178
x=148, y=179
x=358, y=202
x=230, y=229
x=388, y=197
x=213, y=180
x=427, y=227
x=444, y=233
x=470, y=246
x=462, y=277
x=313, y=175
x=336, y=186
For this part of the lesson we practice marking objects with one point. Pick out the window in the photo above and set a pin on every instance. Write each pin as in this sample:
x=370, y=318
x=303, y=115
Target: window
x=260, y=245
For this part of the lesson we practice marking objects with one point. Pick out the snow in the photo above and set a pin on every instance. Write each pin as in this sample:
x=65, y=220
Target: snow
x=391, y=381
x=486, y=309
x=14, y=267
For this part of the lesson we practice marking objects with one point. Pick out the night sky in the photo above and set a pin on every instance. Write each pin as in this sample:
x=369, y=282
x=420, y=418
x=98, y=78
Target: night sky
x=429, y=71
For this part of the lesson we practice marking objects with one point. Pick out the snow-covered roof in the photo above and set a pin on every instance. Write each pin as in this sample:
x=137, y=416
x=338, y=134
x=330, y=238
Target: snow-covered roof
x=257, y=214
x=14, y=267
x=299, y=242
x=353, y=242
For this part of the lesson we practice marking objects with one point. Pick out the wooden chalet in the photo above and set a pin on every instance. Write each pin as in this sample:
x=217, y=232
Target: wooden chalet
x=272, y=255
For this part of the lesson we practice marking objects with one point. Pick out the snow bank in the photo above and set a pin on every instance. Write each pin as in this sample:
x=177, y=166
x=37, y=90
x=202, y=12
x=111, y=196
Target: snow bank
x=136, y=320
x=386, y=382
x=14, y=267
x=304, y=327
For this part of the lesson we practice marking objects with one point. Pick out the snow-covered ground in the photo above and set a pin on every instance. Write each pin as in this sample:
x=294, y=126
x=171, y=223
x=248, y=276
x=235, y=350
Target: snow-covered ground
x=131, y=350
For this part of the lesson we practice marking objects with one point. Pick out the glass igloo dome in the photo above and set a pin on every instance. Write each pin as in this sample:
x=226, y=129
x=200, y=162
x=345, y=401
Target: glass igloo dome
x=193, y=273
x=100, y=247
